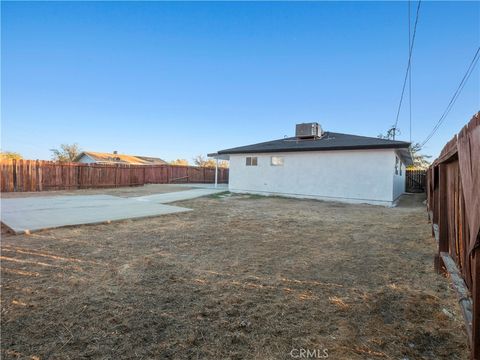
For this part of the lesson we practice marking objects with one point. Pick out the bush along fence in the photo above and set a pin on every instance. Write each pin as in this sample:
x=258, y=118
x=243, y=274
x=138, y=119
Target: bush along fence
x=35, y=175
x=453, y=190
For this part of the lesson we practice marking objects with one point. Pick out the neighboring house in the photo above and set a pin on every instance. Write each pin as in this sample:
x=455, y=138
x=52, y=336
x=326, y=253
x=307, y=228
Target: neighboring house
x=321, y=165
x=115, y=158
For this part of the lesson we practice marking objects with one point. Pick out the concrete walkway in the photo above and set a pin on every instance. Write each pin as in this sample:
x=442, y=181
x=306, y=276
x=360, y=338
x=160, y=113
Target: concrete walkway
x=25, y=215
x=178, y=196
x=223, y=187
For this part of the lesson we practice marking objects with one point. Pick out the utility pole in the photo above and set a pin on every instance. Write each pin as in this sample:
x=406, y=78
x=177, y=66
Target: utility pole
x=392, y=132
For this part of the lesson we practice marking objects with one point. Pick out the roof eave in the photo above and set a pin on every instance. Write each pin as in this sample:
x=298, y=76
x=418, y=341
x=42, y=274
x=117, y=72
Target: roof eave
x=406, y=156
x=79, y=156
x=219, y=156
x=332, y=148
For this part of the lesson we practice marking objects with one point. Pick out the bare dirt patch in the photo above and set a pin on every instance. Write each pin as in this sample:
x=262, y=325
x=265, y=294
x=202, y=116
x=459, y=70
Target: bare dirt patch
x=238, y=278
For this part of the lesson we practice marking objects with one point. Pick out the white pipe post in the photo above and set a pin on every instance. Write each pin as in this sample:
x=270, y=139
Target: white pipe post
x=216, y=172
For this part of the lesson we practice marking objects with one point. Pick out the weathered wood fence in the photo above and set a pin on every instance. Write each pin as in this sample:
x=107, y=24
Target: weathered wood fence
x=35, y=175
x=453, y=190
x=415, y=180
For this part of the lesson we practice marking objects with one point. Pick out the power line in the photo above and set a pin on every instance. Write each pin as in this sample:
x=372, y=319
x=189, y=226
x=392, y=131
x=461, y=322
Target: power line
x=455, y=96
x=409, y=76
x=409, y=64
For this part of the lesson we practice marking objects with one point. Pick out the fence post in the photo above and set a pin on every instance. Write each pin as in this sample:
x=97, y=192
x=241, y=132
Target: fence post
x=37, y=185
x=476, y=304
x=14, y=167
x=79, y=169
x=442, y=216
x=216, y=172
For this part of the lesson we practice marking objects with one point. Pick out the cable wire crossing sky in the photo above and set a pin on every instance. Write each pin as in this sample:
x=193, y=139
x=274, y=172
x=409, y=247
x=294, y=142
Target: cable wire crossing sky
x=175, y=80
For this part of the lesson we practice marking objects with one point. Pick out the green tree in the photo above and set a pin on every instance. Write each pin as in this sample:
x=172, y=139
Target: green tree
x=10, y=155
x=66, y=153
x=420, y=161
x=201, y=161
x=223, y=164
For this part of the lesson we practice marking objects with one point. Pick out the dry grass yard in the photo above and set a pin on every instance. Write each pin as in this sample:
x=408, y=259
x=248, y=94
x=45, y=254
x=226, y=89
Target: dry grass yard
x=240, y=277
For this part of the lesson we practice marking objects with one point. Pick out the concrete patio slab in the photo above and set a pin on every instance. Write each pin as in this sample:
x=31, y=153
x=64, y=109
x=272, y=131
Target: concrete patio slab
x=223, y=187
x=179, y=195
x=39, y=213
x=28, y=214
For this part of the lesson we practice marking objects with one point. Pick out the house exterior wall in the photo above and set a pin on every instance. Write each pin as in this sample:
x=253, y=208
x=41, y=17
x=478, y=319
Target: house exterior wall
x=399, y=180
x=358, y=176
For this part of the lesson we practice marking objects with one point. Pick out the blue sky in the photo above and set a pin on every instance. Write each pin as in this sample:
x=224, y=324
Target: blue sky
x=179, y=79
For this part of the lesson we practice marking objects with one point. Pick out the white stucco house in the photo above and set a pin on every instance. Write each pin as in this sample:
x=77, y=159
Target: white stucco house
x=321, y=165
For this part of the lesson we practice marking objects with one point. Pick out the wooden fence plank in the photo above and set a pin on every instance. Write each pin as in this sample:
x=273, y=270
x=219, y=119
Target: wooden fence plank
x=476, y=304
x=461, y=290
x=415, y=180
x=454, y=204
x=31, y=175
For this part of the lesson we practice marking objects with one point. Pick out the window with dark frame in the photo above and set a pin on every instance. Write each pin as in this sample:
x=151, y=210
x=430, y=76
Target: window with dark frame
x=251, y=161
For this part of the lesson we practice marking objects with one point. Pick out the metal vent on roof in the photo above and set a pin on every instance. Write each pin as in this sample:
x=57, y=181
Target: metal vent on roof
x=308, y=130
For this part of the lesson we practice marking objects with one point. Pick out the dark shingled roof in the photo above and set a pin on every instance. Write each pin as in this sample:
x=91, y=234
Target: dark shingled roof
x=329, y=141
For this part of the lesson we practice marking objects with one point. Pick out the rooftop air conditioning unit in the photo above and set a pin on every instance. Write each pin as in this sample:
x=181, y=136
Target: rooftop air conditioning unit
x=308, y=130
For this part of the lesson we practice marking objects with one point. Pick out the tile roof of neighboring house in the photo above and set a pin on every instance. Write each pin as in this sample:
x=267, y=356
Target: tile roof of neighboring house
x=328, y=141
x=110, y=158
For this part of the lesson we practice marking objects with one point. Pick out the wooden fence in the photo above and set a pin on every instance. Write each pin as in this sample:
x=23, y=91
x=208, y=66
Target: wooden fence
x=31, y=175
x=453, y=190
x=415, y=180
